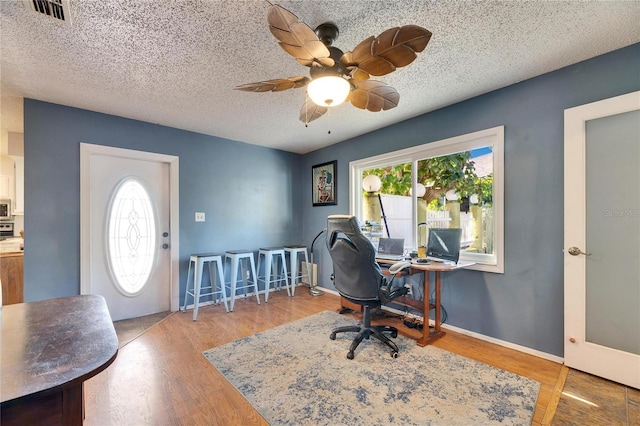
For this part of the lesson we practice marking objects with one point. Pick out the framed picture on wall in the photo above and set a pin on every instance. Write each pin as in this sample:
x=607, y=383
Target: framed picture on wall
x=324, y=186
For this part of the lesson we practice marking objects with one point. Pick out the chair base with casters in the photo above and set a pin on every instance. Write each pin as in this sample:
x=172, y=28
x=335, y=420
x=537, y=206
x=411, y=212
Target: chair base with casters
x=366, y=330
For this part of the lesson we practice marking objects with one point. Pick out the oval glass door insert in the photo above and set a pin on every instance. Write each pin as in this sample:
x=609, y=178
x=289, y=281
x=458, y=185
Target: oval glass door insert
x=131, y=236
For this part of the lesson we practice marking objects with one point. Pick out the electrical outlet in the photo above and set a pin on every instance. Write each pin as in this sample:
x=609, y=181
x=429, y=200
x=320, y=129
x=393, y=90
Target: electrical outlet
x=199, y=216
x=410, y=293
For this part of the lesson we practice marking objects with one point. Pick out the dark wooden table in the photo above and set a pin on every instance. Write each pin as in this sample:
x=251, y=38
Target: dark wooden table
x=49, y=349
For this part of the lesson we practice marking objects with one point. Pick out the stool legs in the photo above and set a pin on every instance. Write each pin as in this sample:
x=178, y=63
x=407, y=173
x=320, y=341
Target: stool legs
x=197, y=282
x=186, y=287
x=236, y=262
x=283, y=274
x=215, y=277
x=271, y=273
x=294, y=272
x=293, y=259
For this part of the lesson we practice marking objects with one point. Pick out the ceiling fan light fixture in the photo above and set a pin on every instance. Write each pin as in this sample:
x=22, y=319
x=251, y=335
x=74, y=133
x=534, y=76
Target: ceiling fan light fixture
x=328, y=91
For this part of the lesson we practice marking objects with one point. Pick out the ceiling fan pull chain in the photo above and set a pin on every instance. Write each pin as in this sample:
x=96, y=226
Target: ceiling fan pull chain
x=329, y=121
x=306, y=112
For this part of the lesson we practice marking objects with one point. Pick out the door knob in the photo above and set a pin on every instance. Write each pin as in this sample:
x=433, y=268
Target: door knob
x=574, y=251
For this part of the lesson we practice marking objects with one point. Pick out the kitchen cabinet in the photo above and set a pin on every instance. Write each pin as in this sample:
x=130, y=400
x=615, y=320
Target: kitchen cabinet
x=14, y=169
x=6, y=187
x=7, y=178
x=12, y=277
x=18, y=202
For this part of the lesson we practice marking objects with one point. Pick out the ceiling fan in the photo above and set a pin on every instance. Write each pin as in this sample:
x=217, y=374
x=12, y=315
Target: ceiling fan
x=335, y=76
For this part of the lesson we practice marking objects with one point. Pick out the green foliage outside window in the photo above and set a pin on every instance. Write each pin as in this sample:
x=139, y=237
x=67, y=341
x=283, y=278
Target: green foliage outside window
x=438, y=175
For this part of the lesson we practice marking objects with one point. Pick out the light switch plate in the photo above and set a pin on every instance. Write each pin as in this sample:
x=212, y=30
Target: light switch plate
x=199, y=216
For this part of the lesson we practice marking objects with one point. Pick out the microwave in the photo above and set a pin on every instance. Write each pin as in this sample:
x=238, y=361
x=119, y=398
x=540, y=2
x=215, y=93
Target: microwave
x=5, y=209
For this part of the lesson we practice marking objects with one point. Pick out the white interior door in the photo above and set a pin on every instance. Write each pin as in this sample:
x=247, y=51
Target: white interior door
x=127, y=239
x=602, y=238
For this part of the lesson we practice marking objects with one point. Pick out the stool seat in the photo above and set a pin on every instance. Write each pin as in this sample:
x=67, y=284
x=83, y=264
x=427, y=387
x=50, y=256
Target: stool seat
x=293, y=250
x=272, y=256
x=216, y=276
x=239, y=259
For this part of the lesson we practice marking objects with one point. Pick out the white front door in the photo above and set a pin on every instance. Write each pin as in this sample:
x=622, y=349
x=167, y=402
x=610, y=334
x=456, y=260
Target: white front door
x=126, y=235
x=602, y=239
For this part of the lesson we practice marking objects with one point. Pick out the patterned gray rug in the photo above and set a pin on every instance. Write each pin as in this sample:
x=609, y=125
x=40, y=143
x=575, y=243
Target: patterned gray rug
x=295, y=375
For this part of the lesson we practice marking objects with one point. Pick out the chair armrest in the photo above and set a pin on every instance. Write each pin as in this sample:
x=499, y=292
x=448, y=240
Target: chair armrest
x=386, y=296
x=399, y=267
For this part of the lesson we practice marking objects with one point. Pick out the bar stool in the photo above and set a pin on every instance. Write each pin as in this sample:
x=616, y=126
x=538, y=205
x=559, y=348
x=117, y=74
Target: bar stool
x=271, y=273
x=239, y=258
x=293, y=251
x=215, y=278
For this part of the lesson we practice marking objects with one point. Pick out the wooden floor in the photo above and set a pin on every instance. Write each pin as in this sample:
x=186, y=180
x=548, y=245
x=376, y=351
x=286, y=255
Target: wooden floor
x=594, y=401
x=162, y=378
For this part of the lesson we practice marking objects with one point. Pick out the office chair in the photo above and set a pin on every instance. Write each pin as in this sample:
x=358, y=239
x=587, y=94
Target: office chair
x=359, y=279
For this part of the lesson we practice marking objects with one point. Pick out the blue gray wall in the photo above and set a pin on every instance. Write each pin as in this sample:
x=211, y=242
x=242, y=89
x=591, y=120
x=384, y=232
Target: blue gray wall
x=250, y=194
x=524, y=305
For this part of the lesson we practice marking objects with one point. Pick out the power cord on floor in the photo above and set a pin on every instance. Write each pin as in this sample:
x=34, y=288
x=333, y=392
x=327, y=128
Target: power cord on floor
x=412, y=322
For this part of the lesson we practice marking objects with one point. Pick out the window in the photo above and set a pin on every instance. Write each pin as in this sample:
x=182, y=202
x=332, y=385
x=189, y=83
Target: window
x=131, y=231
x=453, y=183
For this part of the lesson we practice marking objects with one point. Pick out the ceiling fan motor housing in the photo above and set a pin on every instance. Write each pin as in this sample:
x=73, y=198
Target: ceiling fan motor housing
x=338, y=69
x=327, y=33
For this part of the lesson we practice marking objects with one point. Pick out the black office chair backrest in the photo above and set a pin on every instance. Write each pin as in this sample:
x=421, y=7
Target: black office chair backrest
x=356, y=274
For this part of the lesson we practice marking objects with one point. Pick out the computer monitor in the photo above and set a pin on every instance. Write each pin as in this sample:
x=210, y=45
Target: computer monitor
x=443, y=244
x=390, y=248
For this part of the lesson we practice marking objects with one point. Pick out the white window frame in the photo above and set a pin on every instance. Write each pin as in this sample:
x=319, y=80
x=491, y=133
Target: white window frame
x=493, y=138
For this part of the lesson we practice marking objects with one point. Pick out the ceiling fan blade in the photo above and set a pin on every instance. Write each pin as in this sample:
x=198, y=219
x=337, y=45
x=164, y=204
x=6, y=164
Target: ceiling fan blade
x=277, y=85
x=374, y=96
x=311, y=111
x=297, y=38
x=394, y=48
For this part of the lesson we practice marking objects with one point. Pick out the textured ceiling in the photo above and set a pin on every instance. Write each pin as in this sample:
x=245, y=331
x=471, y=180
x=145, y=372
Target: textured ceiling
x=175, y=62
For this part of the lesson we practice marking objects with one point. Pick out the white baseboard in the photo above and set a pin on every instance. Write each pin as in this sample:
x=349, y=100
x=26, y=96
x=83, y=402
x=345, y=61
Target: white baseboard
x=478, y=336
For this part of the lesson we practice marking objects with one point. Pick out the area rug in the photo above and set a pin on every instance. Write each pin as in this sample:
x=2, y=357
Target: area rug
x=295, y=375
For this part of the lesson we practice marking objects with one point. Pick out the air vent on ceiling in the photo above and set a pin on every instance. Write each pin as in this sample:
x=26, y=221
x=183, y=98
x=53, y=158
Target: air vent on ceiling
x=57, y=9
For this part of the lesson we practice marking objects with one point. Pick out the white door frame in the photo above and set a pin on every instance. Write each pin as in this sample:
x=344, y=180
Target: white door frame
x=86, y=151
x=578, y=352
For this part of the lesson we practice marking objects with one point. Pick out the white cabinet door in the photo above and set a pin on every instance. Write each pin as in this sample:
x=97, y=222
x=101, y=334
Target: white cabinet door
x=18, y=203
x=6, y=187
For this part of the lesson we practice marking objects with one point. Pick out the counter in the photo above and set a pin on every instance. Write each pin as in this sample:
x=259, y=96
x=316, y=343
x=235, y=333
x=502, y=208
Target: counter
x=49, y=348
x=11, y=244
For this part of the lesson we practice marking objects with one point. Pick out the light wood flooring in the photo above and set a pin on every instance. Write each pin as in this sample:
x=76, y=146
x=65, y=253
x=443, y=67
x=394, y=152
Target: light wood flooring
x=161, y=377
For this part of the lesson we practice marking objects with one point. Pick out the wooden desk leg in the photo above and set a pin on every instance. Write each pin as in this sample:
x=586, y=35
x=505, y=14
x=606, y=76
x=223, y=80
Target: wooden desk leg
x=424, y=340
x=427, y=336
x=438, y=304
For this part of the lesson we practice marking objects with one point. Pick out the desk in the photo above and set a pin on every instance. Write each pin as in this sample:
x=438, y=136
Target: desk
x=49, y=349
x=424, y=306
